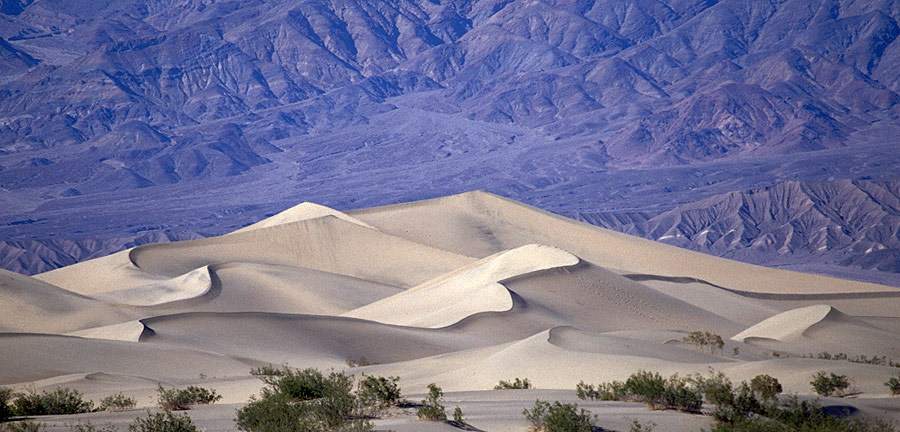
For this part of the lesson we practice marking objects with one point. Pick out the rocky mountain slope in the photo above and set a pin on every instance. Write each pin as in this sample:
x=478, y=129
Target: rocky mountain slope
x=541, y=100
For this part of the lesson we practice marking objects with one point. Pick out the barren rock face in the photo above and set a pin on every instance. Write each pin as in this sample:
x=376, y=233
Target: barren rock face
x=107, y=103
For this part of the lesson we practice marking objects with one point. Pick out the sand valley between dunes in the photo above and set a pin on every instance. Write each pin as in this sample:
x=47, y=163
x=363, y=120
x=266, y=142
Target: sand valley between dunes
x=462, y=291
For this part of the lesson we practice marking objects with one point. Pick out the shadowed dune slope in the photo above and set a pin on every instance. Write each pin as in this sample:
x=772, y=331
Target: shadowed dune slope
x=31, y=357
x=32, y=306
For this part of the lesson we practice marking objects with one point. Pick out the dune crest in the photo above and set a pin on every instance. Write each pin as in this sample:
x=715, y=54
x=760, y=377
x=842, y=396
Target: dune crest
x=193, y=284
x=301, y=212
x=789, y=324
x=130, y=331
x=471, y=289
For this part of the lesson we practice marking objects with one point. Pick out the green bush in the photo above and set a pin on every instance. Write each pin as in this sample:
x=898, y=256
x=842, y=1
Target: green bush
x=458, y=416
x=716, y=389
x=303, y=401
x=6, y=396
x=647, y=387
x=517, y=384
x=181, y=399
x=163, y=422
x=765, y=386
x=63, y=400
x=829, y=385
x=117, y=402
x=557, y=417
x=680, y=395
x=893, y=384
x=800, y=416
x=709, y=342
x=377, y=394
x=431, y=408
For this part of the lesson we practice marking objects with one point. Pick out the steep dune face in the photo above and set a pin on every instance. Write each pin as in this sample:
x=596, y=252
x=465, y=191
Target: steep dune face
x=462, y=291
x=471, y=289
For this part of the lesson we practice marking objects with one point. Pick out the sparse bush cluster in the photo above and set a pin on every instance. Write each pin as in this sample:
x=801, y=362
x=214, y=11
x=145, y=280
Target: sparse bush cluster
x=893, y=384
x=377, y=394
x=300, y=400
x=431, y=408
x=829, y=384
x=604, y=391
x=62, y=400
x=706, y=341
x=117, y=402
x=516, y=384
x=557, y=417
x=648, y=387
x=163, y=422
x=181, y=399
x=864, y=359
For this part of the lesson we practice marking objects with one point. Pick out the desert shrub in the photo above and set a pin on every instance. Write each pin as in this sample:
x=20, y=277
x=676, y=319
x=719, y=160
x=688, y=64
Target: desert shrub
x=377, y=393
x=22, y=426
x=716, y=388
x=163, y=422
x=431, y=408
x=647, y=387
x=6, y=396
x=604, y=391
x=709, y=342
x=458, y=416
x=117, y=402
x=765, y=386
x=362, y=361
x=800, y=416
x=181, y=399
x=829, y=385
x=63, y=400
x=557, y=417
x=637, y=426
x=303, y=401
x=87, y=426
x=517, y=384
x=680, y=395
x=893, y=384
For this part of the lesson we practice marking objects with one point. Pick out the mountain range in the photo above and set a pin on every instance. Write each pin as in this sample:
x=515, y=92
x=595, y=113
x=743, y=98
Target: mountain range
x=763, y=131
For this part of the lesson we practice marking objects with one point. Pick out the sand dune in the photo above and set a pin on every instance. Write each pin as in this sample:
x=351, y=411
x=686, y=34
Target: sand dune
x=469, y=290
x=190, y=285
x=302, y=212
x=480, y=224
x=32, y=306
x=462, y=291
x=813, y=329
x=131, y=331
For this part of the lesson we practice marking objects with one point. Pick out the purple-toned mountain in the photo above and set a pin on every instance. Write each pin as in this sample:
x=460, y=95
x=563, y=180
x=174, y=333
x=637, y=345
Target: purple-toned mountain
x=540, y=100
x=822, y=226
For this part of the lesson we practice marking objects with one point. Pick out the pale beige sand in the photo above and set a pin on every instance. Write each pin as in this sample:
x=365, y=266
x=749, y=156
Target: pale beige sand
x=130, y=331
x=302, y=212
x=813, y=329
x=29, y=305
x=462, y=291
x=480, y=224
x=327, y=244
x=472, y=289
